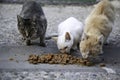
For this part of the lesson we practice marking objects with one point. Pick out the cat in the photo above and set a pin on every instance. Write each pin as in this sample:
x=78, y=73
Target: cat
x=32, y=23
x=69, y=34
x=98, y=26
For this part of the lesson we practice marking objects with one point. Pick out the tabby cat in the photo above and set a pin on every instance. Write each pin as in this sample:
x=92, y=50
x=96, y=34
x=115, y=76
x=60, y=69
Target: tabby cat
x=32, y=22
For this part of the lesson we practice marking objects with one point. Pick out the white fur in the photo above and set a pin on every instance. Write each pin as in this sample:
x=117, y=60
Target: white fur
x=75, y=29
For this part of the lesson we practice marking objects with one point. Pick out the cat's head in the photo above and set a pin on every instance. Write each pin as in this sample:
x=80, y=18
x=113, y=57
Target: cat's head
x=91, y=46
x=26, y=26
x=65, y=42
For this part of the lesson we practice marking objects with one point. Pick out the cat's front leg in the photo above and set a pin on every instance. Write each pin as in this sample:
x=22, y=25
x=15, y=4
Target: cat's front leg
x=107, y=42
x=101, y=51
x=42, y=41
x=75, y=46
x=28, y=42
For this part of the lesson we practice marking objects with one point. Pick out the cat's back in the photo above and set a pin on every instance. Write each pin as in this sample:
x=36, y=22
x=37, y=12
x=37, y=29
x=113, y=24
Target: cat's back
x=101, y=16
x=70, y=24
x=31, y=8
x=104, y=8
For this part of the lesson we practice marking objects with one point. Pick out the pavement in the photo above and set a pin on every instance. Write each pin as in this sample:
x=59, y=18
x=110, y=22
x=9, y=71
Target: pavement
x=14, y=65
x=14, y=54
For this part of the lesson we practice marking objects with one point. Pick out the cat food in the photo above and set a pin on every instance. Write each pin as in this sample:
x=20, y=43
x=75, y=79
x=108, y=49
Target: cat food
x=57, y=59
x=11, y=59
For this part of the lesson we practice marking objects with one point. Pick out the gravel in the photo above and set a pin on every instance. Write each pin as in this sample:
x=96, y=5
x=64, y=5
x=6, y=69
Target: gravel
x=53, y=75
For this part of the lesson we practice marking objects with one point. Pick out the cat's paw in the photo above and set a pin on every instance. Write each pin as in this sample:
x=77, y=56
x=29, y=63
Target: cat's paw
x=101, y=52
x=28, y=42
x=42, y=44
x=107, y=43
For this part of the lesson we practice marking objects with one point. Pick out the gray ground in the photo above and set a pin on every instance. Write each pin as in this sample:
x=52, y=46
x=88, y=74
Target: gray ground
x=12, y=45
x=42, y=75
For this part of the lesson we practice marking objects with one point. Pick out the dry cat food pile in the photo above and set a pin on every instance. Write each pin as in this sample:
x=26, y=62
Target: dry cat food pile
x=57, y=59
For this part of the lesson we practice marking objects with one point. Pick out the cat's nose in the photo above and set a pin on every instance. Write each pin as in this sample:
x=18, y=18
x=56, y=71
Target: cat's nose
x=62, y=51
x=27, y=34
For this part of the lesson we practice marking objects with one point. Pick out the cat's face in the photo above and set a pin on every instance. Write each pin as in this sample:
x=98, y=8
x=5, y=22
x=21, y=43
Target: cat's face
x=26, y=27
x=65, y=43
x=91, y=46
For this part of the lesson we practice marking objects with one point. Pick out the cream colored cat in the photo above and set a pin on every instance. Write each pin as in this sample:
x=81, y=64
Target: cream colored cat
x=98, y=26
x=69, y=34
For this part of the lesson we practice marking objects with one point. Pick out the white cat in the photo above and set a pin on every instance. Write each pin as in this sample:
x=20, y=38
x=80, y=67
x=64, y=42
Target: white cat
x=69, y=34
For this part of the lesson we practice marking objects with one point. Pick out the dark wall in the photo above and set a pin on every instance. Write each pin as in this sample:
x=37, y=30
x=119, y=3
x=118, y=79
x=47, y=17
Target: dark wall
x=55, y=2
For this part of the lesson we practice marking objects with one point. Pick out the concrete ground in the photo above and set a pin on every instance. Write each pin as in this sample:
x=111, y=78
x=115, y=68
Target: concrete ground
x=11, y=46
x=19, y=69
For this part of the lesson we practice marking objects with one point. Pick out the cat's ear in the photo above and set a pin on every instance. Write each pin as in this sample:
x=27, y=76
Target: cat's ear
x=67, y=36
x=55, y=39
x=85, y=36
x=19, y=18
x=101, y=39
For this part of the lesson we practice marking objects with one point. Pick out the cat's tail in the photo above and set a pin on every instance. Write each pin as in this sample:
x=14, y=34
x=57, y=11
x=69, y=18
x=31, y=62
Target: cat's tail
x=51, y=36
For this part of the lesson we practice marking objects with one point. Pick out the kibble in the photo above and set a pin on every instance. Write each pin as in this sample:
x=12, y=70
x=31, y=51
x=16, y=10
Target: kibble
x=57, y=59
x=102, y=65
x=11, y=59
